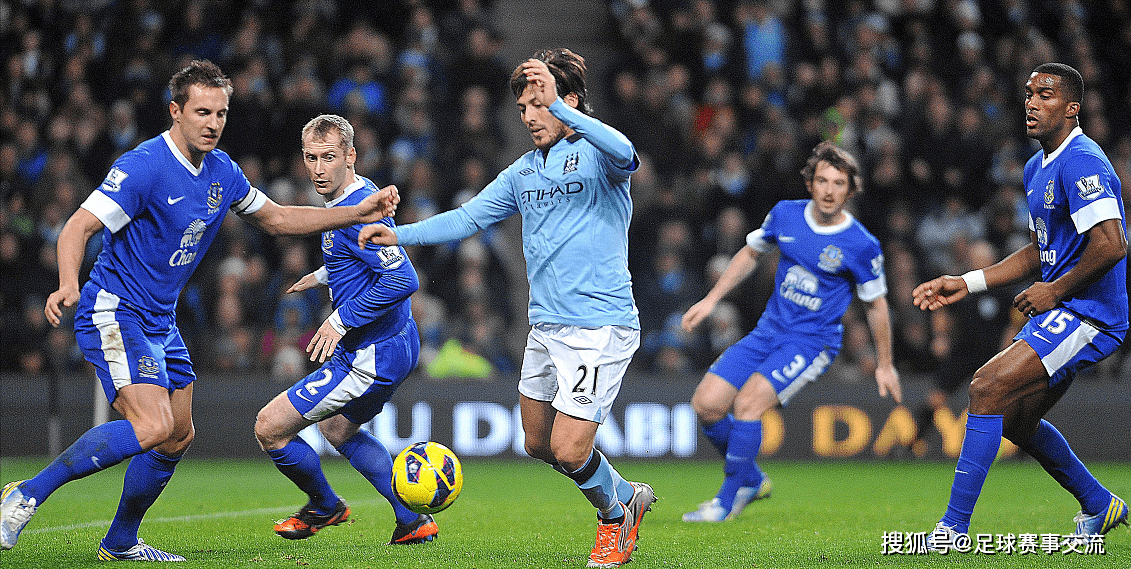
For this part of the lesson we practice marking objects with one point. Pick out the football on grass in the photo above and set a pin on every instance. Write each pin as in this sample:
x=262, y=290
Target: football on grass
x=427, y=477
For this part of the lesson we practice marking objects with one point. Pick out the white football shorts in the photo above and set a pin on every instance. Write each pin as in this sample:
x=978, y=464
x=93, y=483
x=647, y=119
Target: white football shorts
x=578, y=369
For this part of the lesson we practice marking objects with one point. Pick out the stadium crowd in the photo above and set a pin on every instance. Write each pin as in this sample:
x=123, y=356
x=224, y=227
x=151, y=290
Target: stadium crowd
x=723, y=100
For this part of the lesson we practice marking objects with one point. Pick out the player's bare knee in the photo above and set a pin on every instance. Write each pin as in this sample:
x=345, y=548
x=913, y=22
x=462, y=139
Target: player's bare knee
x=267, y=435
x=539, y=451
x=152, y=431
x=707, y=412
x=985, y=395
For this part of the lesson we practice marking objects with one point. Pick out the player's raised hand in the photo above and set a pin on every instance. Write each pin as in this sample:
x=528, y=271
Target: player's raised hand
x=322, y=345
x=939, y=292
x=696, y=314
x=545, y=86
x=377, y=234
x=887, y=380
x=379, y=205
x=65, y=296
x=307, y=282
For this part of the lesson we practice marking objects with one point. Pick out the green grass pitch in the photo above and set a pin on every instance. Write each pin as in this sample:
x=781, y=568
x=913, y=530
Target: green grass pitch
x=219, y=513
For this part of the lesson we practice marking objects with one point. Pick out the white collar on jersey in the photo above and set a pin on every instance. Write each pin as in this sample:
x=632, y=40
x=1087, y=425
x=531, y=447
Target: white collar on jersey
x=811, y=221
x=181, y=157
x=357, y=184
x=1045, y=161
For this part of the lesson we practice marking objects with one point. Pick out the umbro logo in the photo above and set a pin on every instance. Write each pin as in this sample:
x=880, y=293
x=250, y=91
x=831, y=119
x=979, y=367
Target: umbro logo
x=526, y=171
x=173, y=201
x=583, y=400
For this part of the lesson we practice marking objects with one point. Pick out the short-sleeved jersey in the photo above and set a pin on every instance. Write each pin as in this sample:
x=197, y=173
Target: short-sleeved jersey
x=575, y=208
x=1069, y=192
x=817, y=271
x=161, y=213
x=369, y=288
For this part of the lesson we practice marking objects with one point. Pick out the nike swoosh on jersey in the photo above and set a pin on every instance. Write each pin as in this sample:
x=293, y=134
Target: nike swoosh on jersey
x=787, y=238
x=174, y=201
x=299, y=393
x=1038, y=334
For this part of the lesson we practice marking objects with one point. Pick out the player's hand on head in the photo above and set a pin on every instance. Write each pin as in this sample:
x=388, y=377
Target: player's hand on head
x=377, y=234
x=67, y=297
x=545, y=86
x=939, y=292
x=322, y=345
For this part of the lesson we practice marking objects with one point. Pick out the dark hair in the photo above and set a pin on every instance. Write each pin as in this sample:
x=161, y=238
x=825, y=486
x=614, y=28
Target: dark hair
x=322, y=125
x=568, y=70
x=838, y=158
x=198, y=72
x=1070, y=80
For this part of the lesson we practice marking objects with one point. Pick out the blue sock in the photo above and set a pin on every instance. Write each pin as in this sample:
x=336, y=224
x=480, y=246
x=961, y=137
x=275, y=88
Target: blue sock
x=1051, y=450
x=301, y=464
x=719, y=433
x=97, y=449
x=601, y=484
x=146, y=477
x=369, y=457
x=979, y=449
x=741, y=468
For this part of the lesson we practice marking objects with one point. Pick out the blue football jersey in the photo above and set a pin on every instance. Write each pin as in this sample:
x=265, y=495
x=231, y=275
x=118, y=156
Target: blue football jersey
x=369, y=288
x=575, y=207
x=817, y=271
x=1069, y=192
x=161, y=213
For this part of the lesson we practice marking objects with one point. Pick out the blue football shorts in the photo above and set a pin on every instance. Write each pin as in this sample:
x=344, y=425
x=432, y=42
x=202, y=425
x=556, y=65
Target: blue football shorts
x=357, y=384
x=128, y=345
x=788, y=361
x=1066, y=343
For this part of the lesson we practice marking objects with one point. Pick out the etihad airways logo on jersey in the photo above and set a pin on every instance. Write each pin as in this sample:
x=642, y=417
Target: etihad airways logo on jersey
x=542, y=197
x=186, y=254
x=799, y=286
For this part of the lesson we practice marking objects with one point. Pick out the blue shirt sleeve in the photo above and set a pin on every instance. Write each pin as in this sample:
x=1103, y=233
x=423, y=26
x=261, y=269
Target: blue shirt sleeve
x=614, y=145
x=493, y=204
x=396, y=281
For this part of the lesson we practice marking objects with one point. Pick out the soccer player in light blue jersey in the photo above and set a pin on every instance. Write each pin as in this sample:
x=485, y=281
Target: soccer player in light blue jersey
x=367, y=346
x=1077, y=308
x=158, y=210
x=826, y=255
x=573, y=194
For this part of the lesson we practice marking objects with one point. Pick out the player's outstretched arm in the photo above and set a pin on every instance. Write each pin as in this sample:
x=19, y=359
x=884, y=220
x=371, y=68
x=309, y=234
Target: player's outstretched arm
x=71, y=249
x=377, y=234
x=301, y=220
x=1021, y=264
x=742, y=264
x=318, y=277
x=879, y=322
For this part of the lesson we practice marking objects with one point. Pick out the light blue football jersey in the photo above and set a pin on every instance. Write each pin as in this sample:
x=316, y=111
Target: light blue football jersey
x=1069, y=192
x=575, y=208
x=369, y=288
x=818, y=270
x=161, y=213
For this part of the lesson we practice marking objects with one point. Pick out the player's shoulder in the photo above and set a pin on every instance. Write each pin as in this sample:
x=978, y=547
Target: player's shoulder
x=791, y=207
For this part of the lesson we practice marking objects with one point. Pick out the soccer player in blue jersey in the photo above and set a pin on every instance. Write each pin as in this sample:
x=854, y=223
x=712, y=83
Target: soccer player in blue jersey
x=368, y=346
x=1077, y=308
x=158, y=210
x=825, y=254
x=573, y=194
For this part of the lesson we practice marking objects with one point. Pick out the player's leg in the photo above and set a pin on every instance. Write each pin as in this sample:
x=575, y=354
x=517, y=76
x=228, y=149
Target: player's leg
x=712, y=403
x=276, y=428
x=146, y=477
x=1012, y=374
x=1100, y=510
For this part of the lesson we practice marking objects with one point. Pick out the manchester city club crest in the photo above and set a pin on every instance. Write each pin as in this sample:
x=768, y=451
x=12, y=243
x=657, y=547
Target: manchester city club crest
x=571, y=163
x=215, y=196
x=831, y=259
